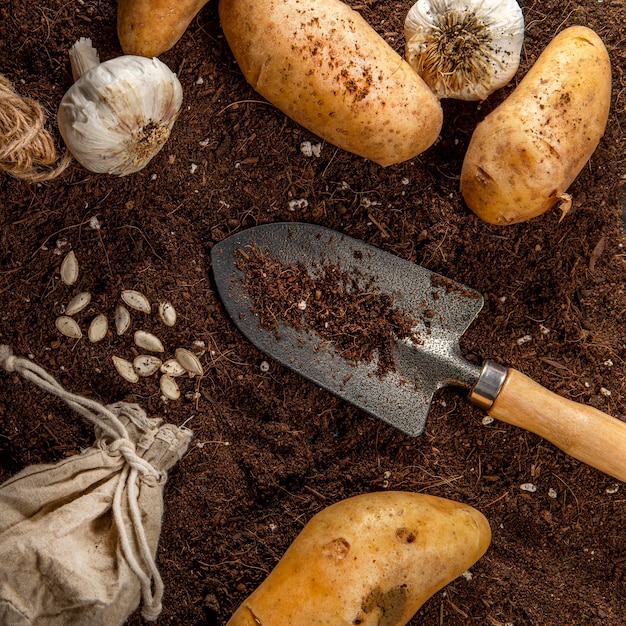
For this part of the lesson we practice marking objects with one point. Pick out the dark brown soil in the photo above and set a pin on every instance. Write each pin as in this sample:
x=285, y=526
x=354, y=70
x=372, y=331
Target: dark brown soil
x=343, y=309
x=270, y=449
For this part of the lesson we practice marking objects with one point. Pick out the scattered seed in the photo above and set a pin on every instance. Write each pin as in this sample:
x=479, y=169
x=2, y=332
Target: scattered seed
x=528, y=487
x=167, y=313
x=136, y=300
x=79, y=302
x=122, y=319
x=189, y=361
x=98, y=328
x=68, y=327
x=169, y=388
x=69, y=268
x=613, y=489
x=552, y=493
x=173, y=368
x=264, y=366
x=146, y=364
x=148, y=341
x=125, y=369
x=487, y=420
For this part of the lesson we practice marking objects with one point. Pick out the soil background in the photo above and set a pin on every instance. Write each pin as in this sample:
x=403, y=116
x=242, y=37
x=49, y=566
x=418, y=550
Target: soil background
x=271, y=450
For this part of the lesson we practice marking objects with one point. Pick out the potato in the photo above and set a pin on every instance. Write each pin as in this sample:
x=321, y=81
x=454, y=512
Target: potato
x=525, y=154
x=326, y=68
x=150, y=27
x=372, y=559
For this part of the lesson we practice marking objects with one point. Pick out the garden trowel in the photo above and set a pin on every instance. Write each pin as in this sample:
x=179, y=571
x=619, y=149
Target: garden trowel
x=425, y=361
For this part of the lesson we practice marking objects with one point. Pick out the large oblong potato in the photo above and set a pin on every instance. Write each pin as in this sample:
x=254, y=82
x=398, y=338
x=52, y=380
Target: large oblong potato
x=373, y=559
x=525, y=154
x=326, y=68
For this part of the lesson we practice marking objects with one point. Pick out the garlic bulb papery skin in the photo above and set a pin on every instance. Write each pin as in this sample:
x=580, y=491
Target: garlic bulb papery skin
x=119, y=113
x=464, y=49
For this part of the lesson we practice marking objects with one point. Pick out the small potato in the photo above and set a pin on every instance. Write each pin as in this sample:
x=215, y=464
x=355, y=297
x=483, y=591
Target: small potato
x=326, y=68
x=525, y=154
x=150, y=27
x=372, y=559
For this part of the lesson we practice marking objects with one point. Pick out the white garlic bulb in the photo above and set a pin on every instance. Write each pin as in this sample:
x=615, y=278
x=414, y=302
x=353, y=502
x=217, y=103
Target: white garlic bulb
x=464, y=49
x=119, y=113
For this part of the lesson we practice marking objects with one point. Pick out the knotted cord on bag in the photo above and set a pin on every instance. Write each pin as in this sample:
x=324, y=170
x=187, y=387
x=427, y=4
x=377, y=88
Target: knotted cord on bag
x=27, y=150
x=135, y=467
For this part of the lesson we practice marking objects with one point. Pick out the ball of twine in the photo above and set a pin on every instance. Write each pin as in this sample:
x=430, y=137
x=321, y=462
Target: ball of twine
x=27, y=150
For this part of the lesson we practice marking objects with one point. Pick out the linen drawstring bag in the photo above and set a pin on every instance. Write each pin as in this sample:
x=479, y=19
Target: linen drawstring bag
x=78, y=538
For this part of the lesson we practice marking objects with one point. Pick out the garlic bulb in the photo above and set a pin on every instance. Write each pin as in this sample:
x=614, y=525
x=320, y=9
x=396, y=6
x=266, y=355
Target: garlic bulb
x=464, y=49
x=119, y=113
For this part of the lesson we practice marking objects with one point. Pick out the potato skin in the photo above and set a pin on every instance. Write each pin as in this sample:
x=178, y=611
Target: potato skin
x=326, y=68
x=150, y=27
x=525, y=154
x=371, y=559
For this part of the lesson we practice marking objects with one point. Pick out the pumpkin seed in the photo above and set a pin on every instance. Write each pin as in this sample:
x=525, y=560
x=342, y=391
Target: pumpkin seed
x=98, y=328
x=189, y=361
x=169, y=388
x=69, y=268
x=167, y=313
x=148, y=341
x=78, y=303
x=125, y=369
x=136, y=300
x=68, y=327
x=122, y=319
x=173, y=368
x=146, y=364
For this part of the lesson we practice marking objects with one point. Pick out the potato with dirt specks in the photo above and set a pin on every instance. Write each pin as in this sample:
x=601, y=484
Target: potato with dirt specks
x=526, y=153
x=322, y=64
x=371, y=559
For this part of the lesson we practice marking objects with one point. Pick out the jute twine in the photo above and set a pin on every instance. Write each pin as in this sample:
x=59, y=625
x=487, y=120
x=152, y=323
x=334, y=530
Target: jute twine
x=27, y=150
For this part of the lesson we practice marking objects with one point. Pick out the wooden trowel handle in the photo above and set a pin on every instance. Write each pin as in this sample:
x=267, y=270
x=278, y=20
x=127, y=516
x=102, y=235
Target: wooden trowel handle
x=581, y=431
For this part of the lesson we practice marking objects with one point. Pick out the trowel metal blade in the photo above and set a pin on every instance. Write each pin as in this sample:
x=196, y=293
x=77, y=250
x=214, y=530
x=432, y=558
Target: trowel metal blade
x=401, y=396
